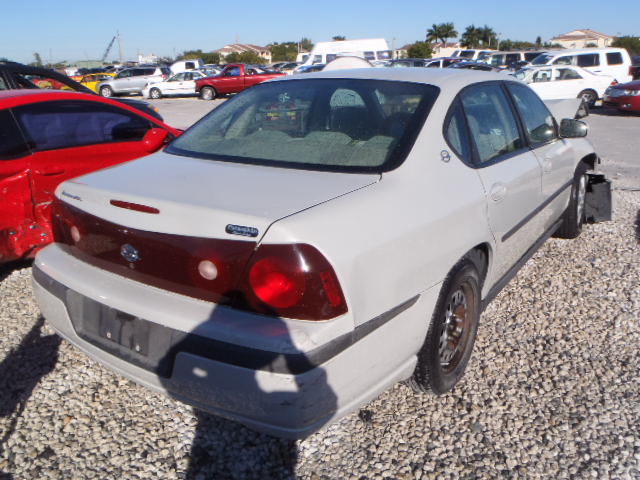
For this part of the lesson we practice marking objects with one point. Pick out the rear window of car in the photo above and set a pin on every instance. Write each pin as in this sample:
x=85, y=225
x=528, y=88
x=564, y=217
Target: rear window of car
x=614, y=58
x=321, y=124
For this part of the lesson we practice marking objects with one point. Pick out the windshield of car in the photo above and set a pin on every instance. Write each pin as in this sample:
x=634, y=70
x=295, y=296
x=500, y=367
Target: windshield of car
x=522, y=74
x=542, y=59
x=352, y=125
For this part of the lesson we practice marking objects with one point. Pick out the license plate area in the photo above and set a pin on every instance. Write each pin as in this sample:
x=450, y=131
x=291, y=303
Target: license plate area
x=133, y=339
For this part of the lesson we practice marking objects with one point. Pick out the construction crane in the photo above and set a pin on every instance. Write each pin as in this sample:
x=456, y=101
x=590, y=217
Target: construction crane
x=106, y=52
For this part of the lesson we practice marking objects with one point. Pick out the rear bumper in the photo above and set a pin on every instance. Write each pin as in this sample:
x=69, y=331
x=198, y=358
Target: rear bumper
x=289, y=393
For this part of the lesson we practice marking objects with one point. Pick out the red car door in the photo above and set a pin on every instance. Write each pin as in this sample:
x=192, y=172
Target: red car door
x=230, y=80
x=70, y=138
x=16, y=212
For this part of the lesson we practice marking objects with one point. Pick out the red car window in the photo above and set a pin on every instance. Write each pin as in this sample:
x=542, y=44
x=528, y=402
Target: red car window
x=64, y=124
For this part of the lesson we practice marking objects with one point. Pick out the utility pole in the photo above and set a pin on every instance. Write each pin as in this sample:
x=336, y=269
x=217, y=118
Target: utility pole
x=119, y=47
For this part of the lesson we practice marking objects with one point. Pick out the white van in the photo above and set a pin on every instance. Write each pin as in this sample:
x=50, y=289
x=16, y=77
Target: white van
x=614, y=62
x=371, y=49
x=184, y=65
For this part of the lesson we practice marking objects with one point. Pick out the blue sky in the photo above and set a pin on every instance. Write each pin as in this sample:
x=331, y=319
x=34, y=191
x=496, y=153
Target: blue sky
x=82, y=30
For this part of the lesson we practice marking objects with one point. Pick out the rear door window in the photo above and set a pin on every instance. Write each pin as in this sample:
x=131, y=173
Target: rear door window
x=588, y=60
x=66, y=124
x=614, y=58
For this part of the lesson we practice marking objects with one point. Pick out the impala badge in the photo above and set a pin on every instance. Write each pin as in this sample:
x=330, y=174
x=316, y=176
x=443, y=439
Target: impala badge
x=129, y=253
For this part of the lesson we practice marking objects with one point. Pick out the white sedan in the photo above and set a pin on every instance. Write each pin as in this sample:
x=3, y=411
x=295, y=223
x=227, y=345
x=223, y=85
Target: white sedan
x=315, y=239
x=182, y=83
x=555, y=82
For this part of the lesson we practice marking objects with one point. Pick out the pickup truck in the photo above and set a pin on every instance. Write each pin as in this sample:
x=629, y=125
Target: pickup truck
x=234, y=78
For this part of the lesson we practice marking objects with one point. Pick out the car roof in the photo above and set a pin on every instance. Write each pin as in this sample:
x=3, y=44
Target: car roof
x=445, y=78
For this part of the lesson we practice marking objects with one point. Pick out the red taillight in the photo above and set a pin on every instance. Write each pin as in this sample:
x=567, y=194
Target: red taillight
x=292, y=281
x=283, y=280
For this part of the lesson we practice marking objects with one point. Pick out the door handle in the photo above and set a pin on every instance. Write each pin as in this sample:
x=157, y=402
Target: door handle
x=48, y=172
x=498, y=192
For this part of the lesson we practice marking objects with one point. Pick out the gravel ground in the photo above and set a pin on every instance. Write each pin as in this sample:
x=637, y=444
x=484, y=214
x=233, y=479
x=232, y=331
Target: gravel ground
x=552, y=391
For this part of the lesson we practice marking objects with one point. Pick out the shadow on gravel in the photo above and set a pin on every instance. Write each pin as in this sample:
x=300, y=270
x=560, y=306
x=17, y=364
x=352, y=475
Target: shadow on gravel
x=20, y=372
x=7, y=268
x=223, y=449
x=637, y=225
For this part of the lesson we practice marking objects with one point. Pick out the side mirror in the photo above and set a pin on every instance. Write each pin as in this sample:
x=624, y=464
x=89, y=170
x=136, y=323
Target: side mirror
x=154, y=139
x=571, y=128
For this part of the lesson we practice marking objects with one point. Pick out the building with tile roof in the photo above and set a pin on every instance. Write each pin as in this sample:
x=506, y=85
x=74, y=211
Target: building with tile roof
x=583, y=38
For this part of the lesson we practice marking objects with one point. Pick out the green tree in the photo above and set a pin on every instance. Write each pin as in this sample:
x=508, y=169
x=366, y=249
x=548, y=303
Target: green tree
x=471, y=37
x=420, y=50
x=286, y=51
x=487, y=36
x=305, y=44
x=211, y=57
x=338, y=38
x=632, y=44
x=441, y=32
x=244, y=57
x=538, y=42
x=207, y=57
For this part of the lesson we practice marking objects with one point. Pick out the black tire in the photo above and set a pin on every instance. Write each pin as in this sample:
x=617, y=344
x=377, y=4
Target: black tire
x=208, y=93
x=454, y=325
x=573, y=216
x=155, y=93
x=589, y=97
x=106, y=91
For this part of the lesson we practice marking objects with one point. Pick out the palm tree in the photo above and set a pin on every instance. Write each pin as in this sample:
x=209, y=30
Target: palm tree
x=487, y=36
x=433, y=33
x=441, y=32
x=447, y=31
x=471, y=37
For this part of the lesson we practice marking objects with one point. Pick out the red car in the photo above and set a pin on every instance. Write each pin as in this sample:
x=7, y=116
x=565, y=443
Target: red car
x=623, y=96
x=235, y=78
x=47, y=137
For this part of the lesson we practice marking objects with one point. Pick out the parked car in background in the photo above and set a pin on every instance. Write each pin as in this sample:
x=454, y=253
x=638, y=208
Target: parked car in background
x=235, y=77
x=509, y=59
x=287, y=67
x=185, y=65
x=614, y=62
x=407, y=62
x=15, y=75
x=309, y=68
x=47, y=137
x=92, y=80
x=470, y=53
x=635, y=67
x=442, y=62
x=132, y=80
x=183, y=83
x=623, y=96
x=309, y=262
x=210, y=70
x=485, y=67
x=564, y=81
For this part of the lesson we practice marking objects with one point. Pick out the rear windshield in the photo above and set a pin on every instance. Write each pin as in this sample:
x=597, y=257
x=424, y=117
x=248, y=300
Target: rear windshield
x=349, y=125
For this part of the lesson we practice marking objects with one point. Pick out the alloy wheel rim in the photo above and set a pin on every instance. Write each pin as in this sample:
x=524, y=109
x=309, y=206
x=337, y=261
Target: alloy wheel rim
x=456, y=326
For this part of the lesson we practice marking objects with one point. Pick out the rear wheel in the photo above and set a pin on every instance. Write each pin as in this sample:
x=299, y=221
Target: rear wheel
x=208, y=93
x=589, y=97
x=155, y=93
x=573, y=216
x=106, y=91
x=452, y=332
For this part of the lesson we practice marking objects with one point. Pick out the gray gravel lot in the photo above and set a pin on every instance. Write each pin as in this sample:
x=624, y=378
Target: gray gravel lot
x=552, y=390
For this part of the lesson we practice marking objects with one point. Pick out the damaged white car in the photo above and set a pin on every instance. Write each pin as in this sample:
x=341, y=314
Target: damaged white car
x=316, y=239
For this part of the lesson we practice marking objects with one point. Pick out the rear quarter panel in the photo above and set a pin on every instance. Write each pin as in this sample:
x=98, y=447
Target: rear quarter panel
x=393, y=240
